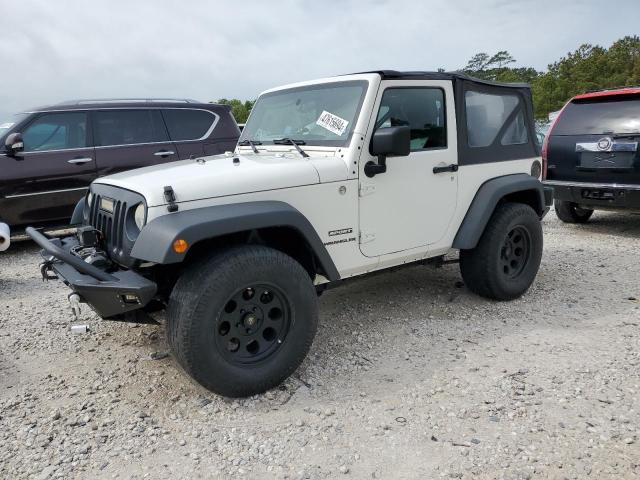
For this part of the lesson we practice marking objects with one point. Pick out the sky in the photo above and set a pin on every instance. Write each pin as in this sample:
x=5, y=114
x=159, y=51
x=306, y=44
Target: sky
x=51, y=51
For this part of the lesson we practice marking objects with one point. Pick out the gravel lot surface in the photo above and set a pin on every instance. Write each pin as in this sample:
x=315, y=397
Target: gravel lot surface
x=410, y=376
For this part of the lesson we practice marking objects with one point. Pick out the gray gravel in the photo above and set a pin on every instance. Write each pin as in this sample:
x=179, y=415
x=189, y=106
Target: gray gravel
x=410, y=376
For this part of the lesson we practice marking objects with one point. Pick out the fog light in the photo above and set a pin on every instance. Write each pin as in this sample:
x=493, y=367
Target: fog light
x=180, y=246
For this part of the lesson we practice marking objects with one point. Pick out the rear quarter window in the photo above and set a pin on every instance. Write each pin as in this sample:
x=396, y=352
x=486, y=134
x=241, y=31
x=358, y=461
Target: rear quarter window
x=599, y=117
x=492, y=117
x=185, y=124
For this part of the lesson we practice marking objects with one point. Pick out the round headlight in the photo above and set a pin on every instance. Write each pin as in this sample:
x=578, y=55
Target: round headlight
x=139, y=216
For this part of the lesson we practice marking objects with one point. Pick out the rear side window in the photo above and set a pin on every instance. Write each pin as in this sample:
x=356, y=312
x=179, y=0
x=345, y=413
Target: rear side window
x=422, y=109
x=598, y=117
x=494, y=117
x=185, y=124
x=56, y=131
x=128, y=127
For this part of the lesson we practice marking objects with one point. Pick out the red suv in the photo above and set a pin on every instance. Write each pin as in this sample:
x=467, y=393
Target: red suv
x=591, y=154
x=50, y=155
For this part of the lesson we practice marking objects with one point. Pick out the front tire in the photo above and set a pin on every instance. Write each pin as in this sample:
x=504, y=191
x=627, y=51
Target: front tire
x=242, y=321
x=571, y=213
x=505, y=262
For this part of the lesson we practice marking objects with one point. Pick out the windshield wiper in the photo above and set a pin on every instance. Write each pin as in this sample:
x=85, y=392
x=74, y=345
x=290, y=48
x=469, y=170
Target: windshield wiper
x=251, y=143
x=295, y=143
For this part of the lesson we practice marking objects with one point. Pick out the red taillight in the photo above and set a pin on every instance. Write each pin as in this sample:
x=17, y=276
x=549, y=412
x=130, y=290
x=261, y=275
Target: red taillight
x=545, y=143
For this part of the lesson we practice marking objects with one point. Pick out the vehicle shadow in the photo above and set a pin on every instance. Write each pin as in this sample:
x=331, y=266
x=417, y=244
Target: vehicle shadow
x=610, y=223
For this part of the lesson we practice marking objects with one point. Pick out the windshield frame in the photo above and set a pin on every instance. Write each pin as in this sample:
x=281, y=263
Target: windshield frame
x=314, y=86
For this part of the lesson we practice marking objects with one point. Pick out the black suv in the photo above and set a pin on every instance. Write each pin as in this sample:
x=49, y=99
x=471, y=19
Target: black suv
x=591, y=154
x=50, y=155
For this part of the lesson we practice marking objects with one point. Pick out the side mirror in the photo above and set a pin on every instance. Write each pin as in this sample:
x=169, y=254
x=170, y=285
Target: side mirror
x=388, y=142
x=14, y=144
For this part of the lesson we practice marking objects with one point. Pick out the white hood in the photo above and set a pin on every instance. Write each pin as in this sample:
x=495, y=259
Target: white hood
x=219, y=176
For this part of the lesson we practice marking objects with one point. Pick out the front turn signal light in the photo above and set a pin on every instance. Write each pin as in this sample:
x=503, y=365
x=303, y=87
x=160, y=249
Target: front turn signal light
x=180, y=246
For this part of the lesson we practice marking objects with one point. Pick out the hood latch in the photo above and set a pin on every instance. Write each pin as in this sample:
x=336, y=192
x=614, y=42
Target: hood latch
x=170, y=198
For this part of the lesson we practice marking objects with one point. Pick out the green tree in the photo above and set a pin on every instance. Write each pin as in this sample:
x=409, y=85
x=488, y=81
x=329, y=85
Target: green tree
x=239, y=109
x=589, y=67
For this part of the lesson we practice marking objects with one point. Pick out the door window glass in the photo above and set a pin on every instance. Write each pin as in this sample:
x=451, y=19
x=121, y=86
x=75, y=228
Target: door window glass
x=184, y=124
x=486, y=116
x=128, y=127
x=56, y=131
x=422, y=109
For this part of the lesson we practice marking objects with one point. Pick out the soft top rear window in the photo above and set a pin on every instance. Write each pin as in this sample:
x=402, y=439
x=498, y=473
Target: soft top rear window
x=610, y=115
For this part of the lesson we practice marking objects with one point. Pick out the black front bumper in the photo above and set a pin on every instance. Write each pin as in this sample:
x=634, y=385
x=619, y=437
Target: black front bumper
x=110, y=294
x=598, y=196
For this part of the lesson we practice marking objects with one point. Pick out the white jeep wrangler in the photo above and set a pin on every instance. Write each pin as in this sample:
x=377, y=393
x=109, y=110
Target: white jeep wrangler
x=331, y=179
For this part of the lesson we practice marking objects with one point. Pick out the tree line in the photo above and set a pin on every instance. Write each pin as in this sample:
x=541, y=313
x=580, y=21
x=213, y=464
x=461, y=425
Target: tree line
x=589, y=67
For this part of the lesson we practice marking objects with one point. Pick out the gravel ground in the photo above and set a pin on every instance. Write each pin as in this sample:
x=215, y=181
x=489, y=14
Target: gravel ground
x=410, y=376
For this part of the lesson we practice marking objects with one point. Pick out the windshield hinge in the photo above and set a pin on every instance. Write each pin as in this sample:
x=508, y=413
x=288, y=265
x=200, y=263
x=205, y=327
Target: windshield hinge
x=366, y=237
x=367, y=189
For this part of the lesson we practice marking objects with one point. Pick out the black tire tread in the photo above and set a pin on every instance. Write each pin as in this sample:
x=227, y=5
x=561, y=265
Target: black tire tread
x=476, y=266
x=195, y=287
x=566, y=211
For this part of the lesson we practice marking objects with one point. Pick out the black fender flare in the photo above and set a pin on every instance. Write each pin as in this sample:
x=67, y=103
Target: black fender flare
x=155, y=241
x=78, y=212
x=486, y=200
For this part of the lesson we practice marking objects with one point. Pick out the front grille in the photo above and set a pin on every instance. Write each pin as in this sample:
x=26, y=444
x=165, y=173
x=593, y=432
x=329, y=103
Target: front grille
x=113, y=225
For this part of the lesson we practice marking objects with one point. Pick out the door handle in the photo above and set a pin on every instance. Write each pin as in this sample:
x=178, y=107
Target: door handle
x=446, y=168
x=164, y=153
x=80, y=161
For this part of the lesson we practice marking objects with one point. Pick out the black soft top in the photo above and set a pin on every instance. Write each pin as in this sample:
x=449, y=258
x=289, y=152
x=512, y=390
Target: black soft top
x=463, y=83
x=424, y=75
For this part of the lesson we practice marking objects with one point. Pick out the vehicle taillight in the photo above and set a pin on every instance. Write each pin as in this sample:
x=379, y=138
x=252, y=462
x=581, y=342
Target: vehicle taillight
x=545, y=143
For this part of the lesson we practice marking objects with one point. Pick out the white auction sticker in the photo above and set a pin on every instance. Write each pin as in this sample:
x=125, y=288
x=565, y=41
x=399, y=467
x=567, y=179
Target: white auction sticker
x=332, y=122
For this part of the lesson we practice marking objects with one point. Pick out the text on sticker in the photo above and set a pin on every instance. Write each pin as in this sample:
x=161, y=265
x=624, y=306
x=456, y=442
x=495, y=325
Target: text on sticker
x=332, y=122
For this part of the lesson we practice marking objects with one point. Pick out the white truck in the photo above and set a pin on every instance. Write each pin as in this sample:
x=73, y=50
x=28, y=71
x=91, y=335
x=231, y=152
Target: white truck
x=331, y=179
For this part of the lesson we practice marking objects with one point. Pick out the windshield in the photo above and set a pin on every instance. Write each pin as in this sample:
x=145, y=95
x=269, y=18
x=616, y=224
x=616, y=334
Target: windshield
x=610, y=116
x=314, y=115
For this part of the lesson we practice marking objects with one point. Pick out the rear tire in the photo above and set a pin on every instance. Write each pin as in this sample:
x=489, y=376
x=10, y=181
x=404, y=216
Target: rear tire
x=569, y=212
x=243, y=320
x=505, y=262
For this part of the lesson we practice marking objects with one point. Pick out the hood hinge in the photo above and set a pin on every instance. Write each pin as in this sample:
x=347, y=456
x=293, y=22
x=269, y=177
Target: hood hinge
x=366, y=237
x=367, y=189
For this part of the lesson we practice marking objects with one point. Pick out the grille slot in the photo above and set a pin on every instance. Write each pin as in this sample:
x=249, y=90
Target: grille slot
x=116, y=240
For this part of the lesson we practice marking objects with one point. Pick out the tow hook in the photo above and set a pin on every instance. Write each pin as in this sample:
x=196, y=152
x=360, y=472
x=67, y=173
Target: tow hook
x=74, y=301
x=47, y=272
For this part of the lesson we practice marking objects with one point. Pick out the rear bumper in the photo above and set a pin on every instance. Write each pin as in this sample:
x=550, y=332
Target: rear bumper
x=597, y=195
x=110, y=294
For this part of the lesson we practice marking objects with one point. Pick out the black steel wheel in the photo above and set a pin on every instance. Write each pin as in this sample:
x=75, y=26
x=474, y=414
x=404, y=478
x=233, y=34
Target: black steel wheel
x=515, y=252
x=505, y=262
x=253, y=324
x=242, y=320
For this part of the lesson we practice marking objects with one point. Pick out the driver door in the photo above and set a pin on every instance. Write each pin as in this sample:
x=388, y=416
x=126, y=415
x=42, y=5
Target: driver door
x=410, y=206
x=43, y=183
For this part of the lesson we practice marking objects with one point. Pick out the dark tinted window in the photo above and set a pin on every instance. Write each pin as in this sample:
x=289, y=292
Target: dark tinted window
x=56, y=131
x=422, y=109
x=184, y=124
x=128, y=127
x=487, y=114
x=600, y=117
